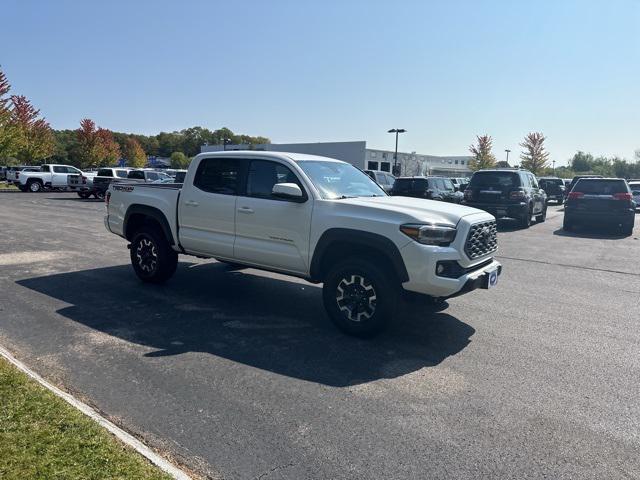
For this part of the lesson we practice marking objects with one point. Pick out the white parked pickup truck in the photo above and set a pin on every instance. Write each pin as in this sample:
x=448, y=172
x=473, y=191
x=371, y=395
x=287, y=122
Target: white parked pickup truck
x=50, y=176
x=311, y=217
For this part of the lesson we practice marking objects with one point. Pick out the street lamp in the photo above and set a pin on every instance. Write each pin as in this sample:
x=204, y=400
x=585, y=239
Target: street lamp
x=554, y=167
x=395, y=155
x=507, y=150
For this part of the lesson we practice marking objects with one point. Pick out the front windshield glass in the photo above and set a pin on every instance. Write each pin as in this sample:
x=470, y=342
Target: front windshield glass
x=340, y=180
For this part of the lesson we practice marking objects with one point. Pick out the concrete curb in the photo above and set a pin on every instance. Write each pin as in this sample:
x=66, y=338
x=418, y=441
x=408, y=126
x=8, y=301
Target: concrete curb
x=123, y=436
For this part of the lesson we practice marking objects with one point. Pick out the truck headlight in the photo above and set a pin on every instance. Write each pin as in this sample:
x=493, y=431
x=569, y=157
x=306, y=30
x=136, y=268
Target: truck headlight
x=430, y=234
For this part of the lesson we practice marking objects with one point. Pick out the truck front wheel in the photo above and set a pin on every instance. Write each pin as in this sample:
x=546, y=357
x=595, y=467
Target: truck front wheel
x=360, y=297
x=152, y=257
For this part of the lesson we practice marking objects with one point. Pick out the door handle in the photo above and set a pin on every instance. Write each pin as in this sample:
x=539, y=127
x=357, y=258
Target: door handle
x=191, y=203
x=245, y=210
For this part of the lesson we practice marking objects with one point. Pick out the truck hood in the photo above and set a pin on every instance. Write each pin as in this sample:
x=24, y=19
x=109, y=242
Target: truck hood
x=417, y=209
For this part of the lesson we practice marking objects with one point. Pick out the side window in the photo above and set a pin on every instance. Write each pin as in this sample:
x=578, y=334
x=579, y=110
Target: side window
x=137, y=174
x=44, y=168
x=448, y=185
x=381, y=178
x=121, y=173
x=390, y=179
x=263, y=175
x=534, y=182
x=439, y=184
x=57, y=169
x=218, y=175
x=73, y=170
x=526, y=182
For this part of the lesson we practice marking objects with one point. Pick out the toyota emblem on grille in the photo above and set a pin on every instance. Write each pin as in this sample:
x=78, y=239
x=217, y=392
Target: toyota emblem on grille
x=485, y=233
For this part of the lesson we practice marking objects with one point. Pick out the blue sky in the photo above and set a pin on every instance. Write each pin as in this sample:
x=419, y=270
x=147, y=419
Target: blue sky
x=338, y=70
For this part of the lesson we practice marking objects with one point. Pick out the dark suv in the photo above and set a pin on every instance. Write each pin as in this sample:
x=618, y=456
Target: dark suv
x=431, y=188
x=600, y=201
x=509, y=193
x=553, y=187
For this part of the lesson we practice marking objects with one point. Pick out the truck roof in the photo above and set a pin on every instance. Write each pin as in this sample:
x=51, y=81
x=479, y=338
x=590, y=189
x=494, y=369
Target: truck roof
x=296, y=157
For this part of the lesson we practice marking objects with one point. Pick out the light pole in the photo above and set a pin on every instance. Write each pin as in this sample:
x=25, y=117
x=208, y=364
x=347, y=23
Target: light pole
x=507, y=150
x=395, y=155
x=225, y=142
x=554, y=167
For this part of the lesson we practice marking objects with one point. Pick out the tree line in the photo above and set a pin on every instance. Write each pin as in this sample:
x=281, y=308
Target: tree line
x=27, y=138
x=535, y=158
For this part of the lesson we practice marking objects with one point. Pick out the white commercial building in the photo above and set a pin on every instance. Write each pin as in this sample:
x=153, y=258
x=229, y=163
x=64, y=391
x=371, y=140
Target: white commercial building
x=365, y=158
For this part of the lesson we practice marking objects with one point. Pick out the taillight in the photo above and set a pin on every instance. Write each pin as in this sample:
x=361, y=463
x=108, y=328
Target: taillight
x=517, y=195
x=622, y=196
x=575, y=195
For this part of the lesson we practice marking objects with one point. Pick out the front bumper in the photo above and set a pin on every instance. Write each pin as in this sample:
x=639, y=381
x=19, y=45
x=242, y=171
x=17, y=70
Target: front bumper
x=421, y=262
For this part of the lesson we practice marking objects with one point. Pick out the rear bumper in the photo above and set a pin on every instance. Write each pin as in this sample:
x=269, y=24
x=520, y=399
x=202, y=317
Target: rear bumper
x=605, y=217
x=511, y=210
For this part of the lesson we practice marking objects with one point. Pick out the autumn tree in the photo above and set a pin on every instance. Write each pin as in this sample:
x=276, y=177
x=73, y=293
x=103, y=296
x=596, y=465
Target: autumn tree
x=96, y=146
x=35, y=140
x=8, y=129
x=134, y=153
x=179, y=160
x=482, y=156
x=534, y=156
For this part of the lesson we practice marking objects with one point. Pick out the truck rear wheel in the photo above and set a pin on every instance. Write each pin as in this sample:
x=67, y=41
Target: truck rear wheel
x=152, y=257
x=34, y=186
x=360, y=297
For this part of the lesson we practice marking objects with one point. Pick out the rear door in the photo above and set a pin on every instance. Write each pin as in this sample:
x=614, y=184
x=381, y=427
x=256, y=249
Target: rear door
x=270, y=231
x=207, y=209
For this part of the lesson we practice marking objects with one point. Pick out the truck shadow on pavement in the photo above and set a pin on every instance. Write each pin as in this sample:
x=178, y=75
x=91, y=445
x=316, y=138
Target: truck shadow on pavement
x=271, y=323
x=599, y=233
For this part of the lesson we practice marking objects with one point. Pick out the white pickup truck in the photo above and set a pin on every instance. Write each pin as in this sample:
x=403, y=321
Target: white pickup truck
x=311, y=217
x=50, y=176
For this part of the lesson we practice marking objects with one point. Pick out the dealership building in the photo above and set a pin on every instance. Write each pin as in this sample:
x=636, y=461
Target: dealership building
x=365, y=158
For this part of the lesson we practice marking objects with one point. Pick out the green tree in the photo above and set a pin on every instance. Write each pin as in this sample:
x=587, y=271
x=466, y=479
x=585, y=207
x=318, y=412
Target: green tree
x=534, y=157
x=581, y=162
x=134, y=154
x=179, y=160
x=482, y=156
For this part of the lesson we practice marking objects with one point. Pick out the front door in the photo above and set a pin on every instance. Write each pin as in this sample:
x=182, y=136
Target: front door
x=270, y=231
x=207, y=209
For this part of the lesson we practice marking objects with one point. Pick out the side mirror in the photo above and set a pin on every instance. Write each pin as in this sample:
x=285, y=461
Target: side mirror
x=289, y=191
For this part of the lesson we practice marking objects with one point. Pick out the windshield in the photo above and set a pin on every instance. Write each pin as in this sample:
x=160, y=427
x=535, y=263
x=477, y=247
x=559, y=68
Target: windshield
x=340, y=180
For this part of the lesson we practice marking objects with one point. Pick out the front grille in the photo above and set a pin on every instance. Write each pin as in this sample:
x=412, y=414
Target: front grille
x=482, y=240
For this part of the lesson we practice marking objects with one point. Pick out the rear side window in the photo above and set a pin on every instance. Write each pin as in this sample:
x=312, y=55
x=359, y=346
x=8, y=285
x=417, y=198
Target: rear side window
x=105, y=172
x=136, y=174
x=218, y=175
x=57, y=169
x=152, y=176
x=121, y=173
x=381, y=178
x=635, y=187
x=410, y=185
x=45, y=168
x=601, y=187
x=448, y=184
x=495, y=179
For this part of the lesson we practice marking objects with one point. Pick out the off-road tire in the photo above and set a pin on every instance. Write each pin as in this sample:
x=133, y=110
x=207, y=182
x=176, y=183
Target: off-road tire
x=360, y=297
x=152, y=258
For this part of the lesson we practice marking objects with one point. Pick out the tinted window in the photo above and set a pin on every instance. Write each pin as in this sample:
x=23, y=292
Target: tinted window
x=601, y=187
x=263, y=175
x=495, y=179
x=448, y=184
x=406, y=185
x=180, y=177
x=218, y=175
x=137, y=174
x=121, y=173
x=45, y=168
x=105, y=172
x=152, y=176
x=57, y=169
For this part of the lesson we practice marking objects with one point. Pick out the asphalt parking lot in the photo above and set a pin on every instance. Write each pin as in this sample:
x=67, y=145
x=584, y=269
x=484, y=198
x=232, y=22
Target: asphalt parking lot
x=239, y=374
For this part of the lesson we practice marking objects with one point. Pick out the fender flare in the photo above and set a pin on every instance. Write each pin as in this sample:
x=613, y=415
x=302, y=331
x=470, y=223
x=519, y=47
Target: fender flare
x=151, y=212
x=375, y=241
